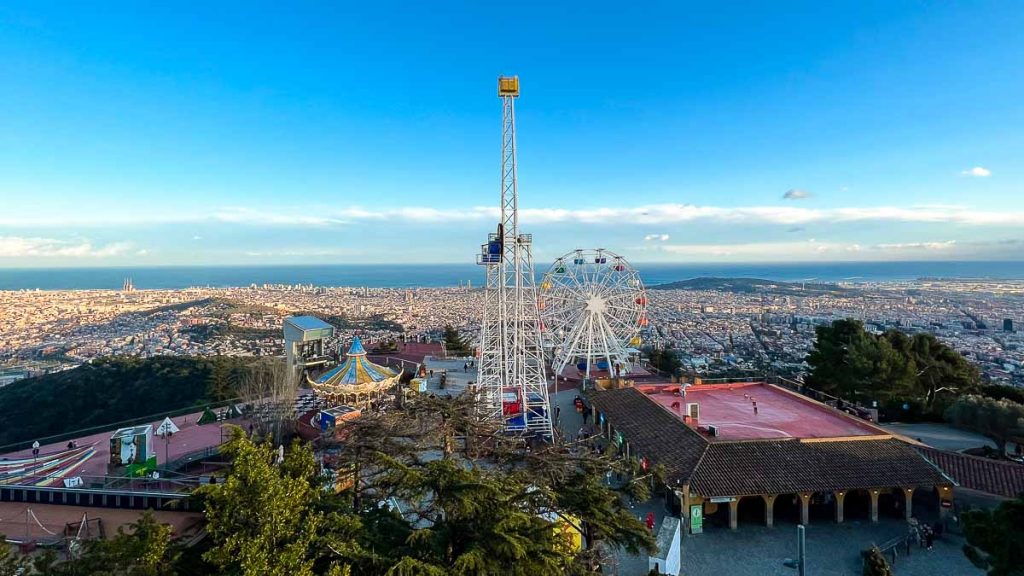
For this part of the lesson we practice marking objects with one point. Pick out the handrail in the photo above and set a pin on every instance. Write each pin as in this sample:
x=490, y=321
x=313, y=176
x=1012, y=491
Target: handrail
x=23, y=444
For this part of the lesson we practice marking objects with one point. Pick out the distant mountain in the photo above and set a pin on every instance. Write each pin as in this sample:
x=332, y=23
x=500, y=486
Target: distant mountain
x=756, y=285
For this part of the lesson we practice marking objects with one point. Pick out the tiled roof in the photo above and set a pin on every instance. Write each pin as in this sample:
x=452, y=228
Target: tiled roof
x=787, y=466
x=759, y=466
x=976, y=473
x=652, y=432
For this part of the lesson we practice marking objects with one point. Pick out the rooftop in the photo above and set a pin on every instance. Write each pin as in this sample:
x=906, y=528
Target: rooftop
x=780, y=413
x=91, y=453
x=307, y=322
x=853, y=455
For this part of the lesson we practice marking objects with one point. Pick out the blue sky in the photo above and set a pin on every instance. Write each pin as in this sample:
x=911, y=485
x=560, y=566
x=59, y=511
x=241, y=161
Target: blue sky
x=248, y=133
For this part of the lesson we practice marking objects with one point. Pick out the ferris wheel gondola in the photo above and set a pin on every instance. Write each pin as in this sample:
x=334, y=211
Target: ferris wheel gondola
x=593, y=306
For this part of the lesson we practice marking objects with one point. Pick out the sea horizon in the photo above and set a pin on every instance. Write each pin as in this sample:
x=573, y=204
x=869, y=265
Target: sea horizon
x=442, y=275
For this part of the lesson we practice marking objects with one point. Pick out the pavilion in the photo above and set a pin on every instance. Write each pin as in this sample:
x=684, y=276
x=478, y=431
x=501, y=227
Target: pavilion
x=732, y=447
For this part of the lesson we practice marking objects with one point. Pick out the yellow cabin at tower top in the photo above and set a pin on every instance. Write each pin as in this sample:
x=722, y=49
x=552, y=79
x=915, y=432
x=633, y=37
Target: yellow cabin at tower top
x=508, y=85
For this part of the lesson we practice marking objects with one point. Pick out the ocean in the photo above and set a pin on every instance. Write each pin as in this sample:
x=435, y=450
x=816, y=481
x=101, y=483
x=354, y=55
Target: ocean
x=436, y=275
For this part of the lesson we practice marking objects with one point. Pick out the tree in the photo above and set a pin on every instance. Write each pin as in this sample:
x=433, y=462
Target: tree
x=844, y=359
x=454, y=342
x=10, y=564
x=425, y=460
x=475, y=521
x=940, y=368
x=1000, y=420
x=893, y=368
x=875, y=563
x=143, y=550
x=270, y=386
x=219, y=385
x=999, y=534
x=264, y=518
x=665, y=360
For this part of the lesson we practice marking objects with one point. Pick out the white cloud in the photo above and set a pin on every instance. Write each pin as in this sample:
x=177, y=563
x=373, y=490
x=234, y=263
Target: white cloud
x=658, y=237
x=948, y=244
x=977, y=171
x=796, y=194
x=197, y=237
x=806, y=250
x=299, y=252
x=649, y=214
x=243, y=215
x=23, y=247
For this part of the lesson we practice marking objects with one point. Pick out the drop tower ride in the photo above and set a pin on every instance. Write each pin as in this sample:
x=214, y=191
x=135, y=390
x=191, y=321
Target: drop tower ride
x=511, y=379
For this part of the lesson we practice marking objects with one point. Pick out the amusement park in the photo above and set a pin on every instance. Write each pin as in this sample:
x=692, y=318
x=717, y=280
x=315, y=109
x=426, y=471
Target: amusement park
x=556, y=392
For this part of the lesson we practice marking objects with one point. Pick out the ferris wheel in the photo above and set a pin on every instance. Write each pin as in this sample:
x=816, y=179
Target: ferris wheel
x=592, y=306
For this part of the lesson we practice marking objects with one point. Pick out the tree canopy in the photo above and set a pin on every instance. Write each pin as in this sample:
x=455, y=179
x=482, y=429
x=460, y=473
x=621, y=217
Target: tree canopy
x=665, y=359
x=454, y=342
x=110, y=390
x=1000, y=420
x=999, y=534
x=910, y=374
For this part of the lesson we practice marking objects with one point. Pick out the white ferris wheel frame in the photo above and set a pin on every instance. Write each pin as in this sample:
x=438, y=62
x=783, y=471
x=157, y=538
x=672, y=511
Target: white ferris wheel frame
x=592, y=303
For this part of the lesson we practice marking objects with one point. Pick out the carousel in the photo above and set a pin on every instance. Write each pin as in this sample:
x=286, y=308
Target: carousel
x=357, y=381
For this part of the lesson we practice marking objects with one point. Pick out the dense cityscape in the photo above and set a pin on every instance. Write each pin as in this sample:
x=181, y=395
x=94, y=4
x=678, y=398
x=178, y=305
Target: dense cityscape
x=716, y=331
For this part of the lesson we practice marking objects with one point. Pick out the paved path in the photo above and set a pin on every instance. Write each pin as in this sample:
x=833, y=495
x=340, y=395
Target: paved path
x=941, y=436
x=832, y=550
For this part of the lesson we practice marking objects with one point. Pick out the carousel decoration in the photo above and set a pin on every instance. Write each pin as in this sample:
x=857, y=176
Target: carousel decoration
x=357, y=381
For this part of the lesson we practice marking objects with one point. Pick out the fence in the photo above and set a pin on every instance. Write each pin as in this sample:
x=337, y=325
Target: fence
x=24, y=444
x=799, y=388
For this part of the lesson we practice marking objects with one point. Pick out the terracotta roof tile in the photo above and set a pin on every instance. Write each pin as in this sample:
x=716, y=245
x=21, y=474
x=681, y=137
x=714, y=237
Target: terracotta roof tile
x=976, y=473
x=652, y=432
x=787, y=466
x=758, y=466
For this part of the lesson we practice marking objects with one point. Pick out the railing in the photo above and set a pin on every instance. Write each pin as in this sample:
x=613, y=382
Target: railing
x=163, y=485
x=110, y=427
x=794, y=386
x=190, y=457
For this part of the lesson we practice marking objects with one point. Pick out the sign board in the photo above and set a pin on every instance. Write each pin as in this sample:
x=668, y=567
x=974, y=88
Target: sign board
x=719, y=499
x=696, y=518
x=75, y=482
x=947, y=503
x=167, y=427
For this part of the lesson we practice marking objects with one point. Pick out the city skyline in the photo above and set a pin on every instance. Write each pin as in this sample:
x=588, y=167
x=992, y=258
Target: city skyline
x=852, y=132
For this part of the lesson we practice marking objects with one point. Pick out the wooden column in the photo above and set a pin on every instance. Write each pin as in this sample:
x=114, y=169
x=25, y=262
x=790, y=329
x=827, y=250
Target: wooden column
x=769, y=510
x=840, y=497
x=734, y=507
x=805, y=508
x=908, y=510
x=874, y=505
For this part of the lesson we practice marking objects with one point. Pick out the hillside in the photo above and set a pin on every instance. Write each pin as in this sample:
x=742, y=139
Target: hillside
x=111, y=390
x=755, y=285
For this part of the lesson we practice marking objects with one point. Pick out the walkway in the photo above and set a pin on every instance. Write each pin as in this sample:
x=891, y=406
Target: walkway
x=832, y=550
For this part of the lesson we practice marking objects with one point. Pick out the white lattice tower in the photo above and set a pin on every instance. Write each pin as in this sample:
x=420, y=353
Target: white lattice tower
x=511, y=368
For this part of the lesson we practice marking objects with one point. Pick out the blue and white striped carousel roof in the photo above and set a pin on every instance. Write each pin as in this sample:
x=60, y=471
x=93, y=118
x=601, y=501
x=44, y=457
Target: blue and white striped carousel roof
x=356, y=369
